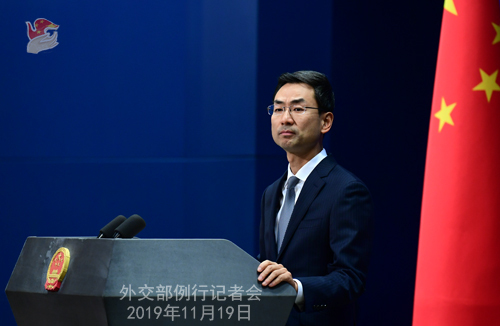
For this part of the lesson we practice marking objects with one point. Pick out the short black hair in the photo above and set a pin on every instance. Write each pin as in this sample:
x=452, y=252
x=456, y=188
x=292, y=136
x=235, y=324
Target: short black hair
x=323, y=91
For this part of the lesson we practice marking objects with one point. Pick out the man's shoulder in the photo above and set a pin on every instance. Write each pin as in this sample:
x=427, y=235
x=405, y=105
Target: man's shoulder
x=330, y=171
x=327, y=170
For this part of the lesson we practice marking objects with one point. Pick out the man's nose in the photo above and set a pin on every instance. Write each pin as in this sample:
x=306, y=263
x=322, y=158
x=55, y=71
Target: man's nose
x=286, y=117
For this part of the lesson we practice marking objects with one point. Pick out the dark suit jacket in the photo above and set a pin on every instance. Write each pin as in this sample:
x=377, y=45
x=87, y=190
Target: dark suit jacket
x=327, y=243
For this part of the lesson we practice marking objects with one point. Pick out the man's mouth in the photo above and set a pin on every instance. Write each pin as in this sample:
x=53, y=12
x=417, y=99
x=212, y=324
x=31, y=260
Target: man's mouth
x=286, y=132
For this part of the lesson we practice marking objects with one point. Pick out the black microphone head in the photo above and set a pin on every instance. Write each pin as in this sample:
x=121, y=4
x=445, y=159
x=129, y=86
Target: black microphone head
x=128, y=229
x=109, y=229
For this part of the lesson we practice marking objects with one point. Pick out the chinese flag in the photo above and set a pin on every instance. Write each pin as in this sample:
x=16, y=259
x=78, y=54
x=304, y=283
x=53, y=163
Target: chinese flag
x=458, y=268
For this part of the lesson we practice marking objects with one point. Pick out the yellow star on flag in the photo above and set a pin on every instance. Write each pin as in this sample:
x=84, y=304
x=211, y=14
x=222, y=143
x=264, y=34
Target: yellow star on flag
x=444, y=115
x=488, y=84
x=450, y=6
x=497, y=29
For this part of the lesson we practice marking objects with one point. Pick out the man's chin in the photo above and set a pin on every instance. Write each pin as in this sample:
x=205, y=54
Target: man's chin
x=288, y=146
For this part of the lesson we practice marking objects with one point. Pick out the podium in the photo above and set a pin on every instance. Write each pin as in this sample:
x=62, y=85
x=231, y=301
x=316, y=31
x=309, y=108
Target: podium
x=144, y=282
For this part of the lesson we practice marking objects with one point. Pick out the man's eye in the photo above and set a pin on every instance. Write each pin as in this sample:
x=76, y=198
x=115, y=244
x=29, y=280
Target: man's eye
x=278, y=110
x=298, y=109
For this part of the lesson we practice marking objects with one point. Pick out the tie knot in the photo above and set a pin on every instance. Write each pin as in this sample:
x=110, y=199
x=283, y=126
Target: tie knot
x=292, y=182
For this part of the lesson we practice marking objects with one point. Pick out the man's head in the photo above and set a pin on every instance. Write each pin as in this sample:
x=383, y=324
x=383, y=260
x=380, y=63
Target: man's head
x=323, y=91
x=302, y=113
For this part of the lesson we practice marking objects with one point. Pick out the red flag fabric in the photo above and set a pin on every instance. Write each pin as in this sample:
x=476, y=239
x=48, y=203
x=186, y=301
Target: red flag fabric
x=458, y=268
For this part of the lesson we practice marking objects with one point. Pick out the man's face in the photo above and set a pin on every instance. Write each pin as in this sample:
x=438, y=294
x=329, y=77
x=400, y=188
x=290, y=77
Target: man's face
x=298, y=134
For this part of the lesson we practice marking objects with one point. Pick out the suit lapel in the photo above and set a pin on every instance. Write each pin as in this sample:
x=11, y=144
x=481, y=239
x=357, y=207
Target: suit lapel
x=271, y=213
x=309, y=192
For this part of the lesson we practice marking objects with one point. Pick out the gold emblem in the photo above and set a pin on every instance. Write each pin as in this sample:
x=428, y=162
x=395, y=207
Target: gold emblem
x=57, y=269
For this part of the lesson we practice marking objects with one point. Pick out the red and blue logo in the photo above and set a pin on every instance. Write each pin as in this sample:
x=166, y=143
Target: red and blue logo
x=43, y=35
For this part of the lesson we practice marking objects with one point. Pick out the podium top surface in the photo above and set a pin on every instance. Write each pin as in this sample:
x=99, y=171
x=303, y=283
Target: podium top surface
x=103, y=266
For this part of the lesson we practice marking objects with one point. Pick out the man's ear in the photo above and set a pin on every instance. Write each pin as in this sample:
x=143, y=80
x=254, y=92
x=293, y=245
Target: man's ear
x=326, y=122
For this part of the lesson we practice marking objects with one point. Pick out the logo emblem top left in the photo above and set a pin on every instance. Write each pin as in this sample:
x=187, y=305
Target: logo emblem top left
x=40, y=37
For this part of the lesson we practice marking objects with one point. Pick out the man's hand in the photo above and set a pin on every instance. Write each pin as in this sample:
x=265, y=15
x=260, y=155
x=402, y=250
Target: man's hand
x=272, y=274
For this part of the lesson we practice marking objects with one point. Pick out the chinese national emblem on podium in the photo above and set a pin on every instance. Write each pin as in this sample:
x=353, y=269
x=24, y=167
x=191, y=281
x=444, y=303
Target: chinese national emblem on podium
x=57, y=269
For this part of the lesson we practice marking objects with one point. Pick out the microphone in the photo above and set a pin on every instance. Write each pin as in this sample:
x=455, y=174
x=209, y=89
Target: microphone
x=108, y=230
x=128, y=229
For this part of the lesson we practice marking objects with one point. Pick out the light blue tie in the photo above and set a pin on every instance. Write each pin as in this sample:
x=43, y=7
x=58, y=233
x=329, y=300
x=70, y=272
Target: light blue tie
x=287, y=210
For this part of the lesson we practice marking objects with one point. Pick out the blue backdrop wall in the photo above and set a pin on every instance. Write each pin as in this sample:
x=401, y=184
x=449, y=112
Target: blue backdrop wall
x=158, y=108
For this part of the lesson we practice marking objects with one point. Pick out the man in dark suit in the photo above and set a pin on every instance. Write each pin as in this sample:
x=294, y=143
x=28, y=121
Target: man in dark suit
x=315, y=229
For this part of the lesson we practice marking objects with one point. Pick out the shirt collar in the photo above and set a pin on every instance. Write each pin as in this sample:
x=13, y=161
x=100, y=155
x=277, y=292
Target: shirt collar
x=306, y=170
